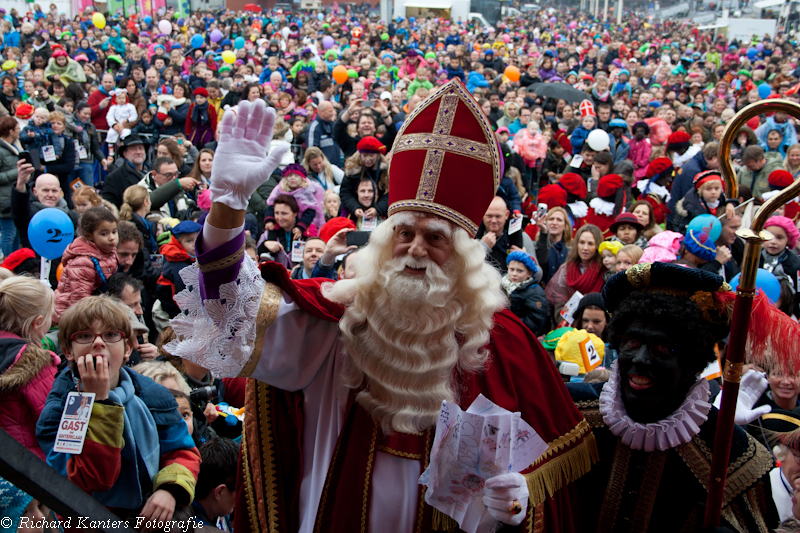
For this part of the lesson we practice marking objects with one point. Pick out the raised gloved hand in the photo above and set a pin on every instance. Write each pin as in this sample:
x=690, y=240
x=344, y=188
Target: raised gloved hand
x=241, y=162
x=751, y=388
x=505, y=494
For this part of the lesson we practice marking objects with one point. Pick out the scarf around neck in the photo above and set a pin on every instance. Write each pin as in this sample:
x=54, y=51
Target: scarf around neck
x=141, y=453
x=589, y=281
x=200, y=114
x=510, y=286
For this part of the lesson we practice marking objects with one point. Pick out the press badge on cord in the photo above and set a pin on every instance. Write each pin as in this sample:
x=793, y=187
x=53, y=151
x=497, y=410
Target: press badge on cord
x=515, y=225
x=74, y=423
x=49, y=153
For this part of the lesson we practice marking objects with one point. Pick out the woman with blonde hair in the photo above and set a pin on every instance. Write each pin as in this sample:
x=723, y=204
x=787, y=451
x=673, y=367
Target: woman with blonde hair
x=581, y=272
x=792, y=160
x=553, y=242
x=28, y=370
x=321, y=170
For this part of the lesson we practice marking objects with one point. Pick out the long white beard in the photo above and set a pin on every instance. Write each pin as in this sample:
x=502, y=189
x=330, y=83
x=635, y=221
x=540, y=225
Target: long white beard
x=404, y=346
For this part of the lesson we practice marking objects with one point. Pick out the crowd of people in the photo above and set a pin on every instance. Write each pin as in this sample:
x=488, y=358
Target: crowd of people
x=608, y=161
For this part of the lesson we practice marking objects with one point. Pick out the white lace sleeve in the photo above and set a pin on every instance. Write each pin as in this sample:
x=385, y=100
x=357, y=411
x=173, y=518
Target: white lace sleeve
x=218, y=334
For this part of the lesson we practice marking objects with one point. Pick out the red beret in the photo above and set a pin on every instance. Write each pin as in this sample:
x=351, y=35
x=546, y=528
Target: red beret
x=657, y=166
x=371, y=144
x=780, y=178
x=334, y=226
x=678, y=137
x=574, y=184
x=18, y=257
x=553, y=196
x=608, y=185
x=200, y=91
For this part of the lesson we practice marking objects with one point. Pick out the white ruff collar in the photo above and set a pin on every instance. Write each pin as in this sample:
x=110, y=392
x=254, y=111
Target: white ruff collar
x=579, y=209
x=602, y=207
x=674, y=430
x=658, y=190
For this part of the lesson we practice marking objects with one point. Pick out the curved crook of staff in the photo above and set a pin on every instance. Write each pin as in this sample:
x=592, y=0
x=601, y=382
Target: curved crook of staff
x=754, y=238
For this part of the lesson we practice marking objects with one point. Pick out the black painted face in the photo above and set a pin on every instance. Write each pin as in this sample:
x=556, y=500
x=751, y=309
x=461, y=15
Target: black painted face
x=652, y=381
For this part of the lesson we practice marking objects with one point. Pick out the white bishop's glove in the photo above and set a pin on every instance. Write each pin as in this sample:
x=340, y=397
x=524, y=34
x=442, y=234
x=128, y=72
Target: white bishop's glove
x=241, y=162
x=751, y=388
x=506, y=498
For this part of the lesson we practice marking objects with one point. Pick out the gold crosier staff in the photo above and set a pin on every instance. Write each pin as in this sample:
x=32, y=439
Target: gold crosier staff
x=754, y=238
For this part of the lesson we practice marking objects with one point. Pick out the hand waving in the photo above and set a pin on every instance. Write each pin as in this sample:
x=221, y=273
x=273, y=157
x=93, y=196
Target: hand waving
x=242, y=163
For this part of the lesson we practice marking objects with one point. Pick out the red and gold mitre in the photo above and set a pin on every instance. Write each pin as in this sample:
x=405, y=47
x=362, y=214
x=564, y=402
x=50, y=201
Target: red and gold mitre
x=445, y=160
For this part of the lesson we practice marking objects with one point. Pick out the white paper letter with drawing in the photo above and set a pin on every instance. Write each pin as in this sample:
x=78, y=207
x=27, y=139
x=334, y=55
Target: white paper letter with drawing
x=471, y=446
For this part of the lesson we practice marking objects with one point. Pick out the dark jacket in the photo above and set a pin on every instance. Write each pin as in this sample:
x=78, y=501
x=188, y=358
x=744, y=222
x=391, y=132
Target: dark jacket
x=320, y=134
x=682, y=183
x=349, y=189
x=693, y=205
x=178, y=115
x=119, y=180
x=170, y=283
x=9, y=155
x=530, y=304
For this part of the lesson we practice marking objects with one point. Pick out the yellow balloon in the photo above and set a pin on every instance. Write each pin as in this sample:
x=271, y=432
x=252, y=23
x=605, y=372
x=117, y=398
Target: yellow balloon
x=99, y=21
x=229, y=57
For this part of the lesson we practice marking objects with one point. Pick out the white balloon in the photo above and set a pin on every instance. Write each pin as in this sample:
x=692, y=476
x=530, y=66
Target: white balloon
x=598, y=140
x=165, y=27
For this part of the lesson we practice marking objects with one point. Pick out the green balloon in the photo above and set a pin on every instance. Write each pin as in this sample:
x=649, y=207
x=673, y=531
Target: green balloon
x=384, y=36
x=177, y=15
x=326, y=26
x=351, y=73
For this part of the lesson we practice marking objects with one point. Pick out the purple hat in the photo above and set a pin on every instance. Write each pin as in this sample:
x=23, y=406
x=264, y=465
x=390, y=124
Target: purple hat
x=294, y=168
x=412, y=53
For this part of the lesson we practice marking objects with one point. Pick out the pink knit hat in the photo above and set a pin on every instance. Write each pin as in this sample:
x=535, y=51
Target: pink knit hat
x=662, y=247
x=786, y=225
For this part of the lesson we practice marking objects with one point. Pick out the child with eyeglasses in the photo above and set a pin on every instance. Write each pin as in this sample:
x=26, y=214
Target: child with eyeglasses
x=138, y=458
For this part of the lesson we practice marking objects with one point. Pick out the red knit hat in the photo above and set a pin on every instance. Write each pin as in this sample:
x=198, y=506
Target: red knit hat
x=553, y=196
x=657, y=166
x=60, y=53
x=678, y=137
x=705, y=177
x=446, y=160
x=609, y=185
x=334, y=226
x=200, y=91
x=17, y=257
x=780, y=178
x=574, y=184
x=371, y=144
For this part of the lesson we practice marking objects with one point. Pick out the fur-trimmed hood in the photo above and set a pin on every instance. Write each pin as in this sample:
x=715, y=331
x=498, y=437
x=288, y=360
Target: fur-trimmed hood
x=22, y=362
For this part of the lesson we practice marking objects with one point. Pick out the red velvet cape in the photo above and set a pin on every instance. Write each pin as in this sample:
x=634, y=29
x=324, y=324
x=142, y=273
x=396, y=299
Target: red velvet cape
x=519, y=376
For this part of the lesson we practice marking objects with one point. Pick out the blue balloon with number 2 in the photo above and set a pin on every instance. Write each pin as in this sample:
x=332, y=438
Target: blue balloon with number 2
x=50, y=231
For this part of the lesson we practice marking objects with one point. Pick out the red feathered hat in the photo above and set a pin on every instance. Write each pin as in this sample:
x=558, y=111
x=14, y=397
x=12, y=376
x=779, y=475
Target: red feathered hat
x=678, y=137
x=780, y=178
x=553, y=196
x=334, y=226
x=17, y=257
x=609, y=185
x=371, y=144
x=60, y=53
x=657, y=166
x=574, y=184
x=446, y=160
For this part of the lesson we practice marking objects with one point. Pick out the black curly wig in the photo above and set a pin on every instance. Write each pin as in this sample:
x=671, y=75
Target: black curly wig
x=694, y=336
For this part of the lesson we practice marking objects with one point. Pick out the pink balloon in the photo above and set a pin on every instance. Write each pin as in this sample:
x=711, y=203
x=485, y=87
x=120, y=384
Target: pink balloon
x=506, y=38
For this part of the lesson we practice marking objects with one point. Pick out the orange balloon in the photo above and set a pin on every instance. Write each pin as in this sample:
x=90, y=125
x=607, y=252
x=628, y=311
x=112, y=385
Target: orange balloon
x=59, y=270
x=339, y=74
x=512, y=73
